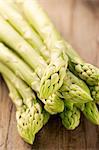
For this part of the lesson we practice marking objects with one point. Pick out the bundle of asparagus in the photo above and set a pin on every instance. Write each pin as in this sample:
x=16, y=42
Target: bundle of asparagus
x=34, y=58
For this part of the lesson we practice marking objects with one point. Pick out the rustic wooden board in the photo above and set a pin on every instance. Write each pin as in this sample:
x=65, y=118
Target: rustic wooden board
x=78, y=22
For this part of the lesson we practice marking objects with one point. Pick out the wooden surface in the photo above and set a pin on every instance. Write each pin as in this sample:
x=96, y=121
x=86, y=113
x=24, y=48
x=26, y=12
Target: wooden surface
x=78, y=22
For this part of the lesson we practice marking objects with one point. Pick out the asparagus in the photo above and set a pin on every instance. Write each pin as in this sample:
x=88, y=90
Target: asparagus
x=95, y=92
x=53, y=104
x=47, y=31
x=24, y=90
x=30, y=118
x=78, y=90
x=74, y=90
x=13, y=93
x=36, y=62
x=11, y=15
x=70, y=117
x=16, y=98
x=87, y=72
x=20, y=68
x=20, y=46
x=89, y=109
x=76, y=87
x=56, y=70
x=9, y=39
x=91, y=112
x=69, y=91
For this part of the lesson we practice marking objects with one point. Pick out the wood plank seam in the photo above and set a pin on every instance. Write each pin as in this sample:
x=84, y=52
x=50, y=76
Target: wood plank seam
x=6, y=140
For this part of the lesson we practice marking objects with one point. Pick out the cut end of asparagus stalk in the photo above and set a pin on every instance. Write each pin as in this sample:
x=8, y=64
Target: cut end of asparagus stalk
x=70, y=118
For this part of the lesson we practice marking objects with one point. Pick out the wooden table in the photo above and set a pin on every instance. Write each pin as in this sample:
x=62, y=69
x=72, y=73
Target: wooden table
x=78, y=22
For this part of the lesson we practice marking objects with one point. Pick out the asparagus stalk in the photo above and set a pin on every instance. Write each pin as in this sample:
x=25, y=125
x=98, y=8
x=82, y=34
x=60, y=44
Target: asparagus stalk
x=20, y=68
x=17, y=99
x=30, y=118
x=53, y=104
x=11, y=15
x=91, y=112
x=13, y=93
x=57, y=68
x=23, y=130
x=87, y=72
x=24, y=90
x=74, y=90
x=70, y=117
x=95, y=92
x=47, y=31
x=20, y=46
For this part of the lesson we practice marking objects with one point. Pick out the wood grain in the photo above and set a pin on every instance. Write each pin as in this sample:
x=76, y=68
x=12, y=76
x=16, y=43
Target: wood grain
x=78, y=22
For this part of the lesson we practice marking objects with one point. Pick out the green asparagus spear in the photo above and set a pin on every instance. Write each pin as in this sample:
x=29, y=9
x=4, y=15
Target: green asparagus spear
x=20, y=68
x=70, y=117
x=53, y=104
x=29, y=119
x=55, y=72
x=89, y=109
x=13, y=93
x=95, y=92
x=24, y=90
x=91, y=112
x=11, y=15
x=87, y=72
x=74, y=89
